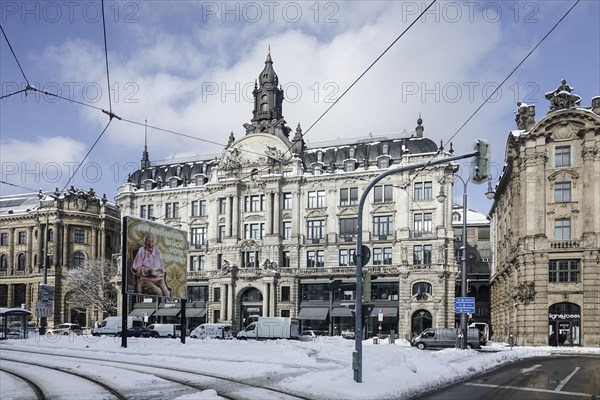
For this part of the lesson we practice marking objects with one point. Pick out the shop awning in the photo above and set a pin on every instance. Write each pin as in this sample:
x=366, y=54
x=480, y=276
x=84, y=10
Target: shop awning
x=168, y=312
x=143, y=311
x=341, y=312
x=387, y=311
x=314, y=313
x=195, y=312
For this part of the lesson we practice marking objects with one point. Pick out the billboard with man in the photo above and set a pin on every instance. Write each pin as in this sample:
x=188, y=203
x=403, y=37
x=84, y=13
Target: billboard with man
x=155, y=259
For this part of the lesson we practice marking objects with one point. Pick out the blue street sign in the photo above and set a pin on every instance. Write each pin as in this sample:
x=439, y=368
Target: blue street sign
x=464, y=300
x=465, y=310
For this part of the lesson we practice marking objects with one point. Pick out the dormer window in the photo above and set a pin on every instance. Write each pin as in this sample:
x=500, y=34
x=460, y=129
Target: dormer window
x=383, y=162
x=350, y=166
x=148, y=185
x=317, y=169
x=385, y=149
x=173, y=183
x=319, y=156
x=352, y=152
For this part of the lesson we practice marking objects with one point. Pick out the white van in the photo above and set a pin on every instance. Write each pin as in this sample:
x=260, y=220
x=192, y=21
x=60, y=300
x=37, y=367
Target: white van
x=166, y=330
x=112, y=325
x=213, y=331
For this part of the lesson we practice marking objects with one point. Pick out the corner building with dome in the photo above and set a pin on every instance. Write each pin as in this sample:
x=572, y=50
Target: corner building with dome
x=272, y=225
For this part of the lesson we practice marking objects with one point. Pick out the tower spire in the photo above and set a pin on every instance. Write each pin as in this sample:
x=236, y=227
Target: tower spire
x=145, y=160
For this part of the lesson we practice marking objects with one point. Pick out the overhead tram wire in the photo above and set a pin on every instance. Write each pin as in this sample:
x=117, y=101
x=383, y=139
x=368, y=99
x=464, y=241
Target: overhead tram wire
x=110, y=113
x=499, y=86
x=369, y=67
x=15, y=56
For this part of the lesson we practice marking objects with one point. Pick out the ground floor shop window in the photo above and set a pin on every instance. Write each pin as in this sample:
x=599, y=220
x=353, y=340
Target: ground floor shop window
x=564, y=324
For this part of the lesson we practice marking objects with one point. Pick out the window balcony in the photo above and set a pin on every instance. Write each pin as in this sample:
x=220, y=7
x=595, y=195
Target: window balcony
x=564, y=244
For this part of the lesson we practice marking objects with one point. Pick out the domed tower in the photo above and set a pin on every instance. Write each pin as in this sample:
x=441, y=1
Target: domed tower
x=267, y=116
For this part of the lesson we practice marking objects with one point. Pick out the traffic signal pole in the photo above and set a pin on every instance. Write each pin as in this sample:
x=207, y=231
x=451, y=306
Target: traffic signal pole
x=358, y=308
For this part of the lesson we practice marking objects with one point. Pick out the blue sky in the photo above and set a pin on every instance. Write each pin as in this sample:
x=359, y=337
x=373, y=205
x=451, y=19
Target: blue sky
x=189, y=66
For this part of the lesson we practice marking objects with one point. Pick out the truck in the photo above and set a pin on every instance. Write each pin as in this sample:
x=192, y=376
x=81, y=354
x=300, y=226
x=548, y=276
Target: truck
x=112, y=325
x=271, y=328
x=445, y=337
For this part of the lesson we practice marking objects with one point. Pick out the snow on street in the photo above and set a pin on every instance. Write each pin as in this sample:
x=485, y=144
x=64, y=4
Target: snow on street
x=321, y=369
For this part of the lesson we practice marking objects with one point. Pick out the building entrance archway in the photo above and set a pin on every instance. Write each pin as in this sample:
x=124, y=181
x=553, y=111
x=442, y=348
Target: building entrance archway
x=421, y=320
x=564, y=324
x=251, y=306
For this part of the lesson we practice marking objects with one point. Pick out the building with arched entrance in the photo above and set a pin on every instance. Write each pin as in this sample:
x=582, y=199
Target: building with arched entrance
x=546, y=227
x=272, y=224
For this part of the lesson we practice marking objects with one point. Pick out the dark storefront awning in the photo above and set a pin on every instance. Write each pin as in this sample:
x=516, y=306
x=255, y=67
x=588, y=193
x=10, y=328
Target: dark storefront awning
x=314, y=313
x=168, y=312
x=143, y=310
x=195, y=312
x=341, y=312
x=387, y=311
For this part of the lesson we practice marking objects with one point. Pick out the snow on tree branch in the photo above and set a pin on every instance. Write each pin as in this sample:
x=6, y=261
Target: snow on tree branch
x=93, y=284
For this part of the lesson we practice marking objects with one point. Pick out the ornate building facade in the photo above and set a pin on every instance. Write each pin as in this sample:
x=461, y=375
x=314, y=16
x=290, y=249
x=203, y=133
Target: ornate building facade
x=272, y=224
x=545, y=278
x=80, y=226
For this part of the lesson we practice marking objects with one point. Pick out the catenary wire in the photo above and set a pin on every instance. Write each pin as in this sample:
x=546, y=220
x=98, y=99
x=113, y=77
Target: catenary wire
x=14, y=55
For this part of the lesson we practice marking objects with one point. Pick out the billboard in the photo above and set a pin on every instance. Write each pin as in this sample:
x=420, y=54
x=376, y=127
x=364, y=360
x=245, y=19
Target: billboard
x=155, y=259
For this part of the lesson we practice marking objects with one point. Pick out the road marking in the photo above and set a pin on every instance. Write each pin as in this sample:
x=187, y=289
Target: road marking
x=530, y=369
x=528, y=389
x=564, y=381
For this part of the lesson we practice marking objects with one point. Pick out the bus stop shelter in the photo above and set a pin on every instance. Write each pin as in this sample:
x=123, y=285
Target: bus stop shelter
x=13, y=323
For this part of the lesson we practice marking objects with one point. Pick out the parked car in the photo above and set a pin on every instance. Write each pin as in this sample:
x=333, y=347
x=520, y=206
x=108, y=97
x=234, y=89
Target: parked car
x=139, y=331
x=348, y=334
x=307, y=336
x=65, y=329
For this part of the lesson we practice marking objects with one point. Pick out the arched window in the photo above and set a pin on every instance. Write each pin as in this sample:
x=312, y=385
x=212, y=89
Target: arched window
x=3, y=263
x=252, y=294
x=21, y=262
x=420, y=321
x=385, y=148
x=319, y=156
x=383, y=162
x=352, y=152
x=421, y=290
x=78, y=259
x=50, y=235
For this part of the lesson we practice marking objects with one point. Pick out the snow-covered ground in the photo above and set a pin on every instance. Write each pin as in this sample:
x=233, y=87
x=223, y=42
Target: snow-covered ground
x=324, y=366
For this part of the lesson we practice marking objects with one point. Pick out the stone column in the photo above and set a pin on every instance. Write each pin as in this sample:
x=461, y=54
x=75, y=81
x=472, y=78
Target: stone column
x=224, y=311
x=276, y=213
x=265, y=312
x=94, y=243
x=29, y=258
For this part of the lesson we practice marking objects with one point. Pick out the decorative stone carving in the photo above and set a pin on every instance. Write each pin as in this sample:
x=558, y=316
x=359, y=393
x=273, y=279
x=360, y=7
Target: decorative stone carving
x=561, y=98
x=525, y=292
x=525, y=116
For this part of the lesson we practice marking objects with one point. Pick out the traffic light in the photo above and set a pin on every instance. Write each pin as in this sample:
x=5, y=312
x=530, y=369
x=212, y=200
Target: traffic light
x=481, y=167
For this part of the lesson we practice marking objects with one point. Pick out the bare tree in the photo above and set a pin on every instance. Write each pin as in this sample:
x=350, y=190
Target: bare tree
x=93, y=284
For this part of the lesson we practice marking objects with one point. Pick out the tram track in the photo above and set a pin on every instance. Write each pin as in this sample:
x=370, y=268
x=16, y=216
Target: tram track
x=225, y=386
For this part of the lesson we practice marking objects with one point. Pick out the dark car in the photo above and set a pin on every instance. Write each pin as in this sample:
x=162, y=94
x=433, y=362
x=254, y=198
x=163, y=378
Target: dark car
x=139, y=331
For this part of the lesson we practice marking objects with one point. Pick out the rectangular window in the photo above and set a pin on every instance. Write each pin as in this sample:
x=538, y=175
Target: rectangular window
x=316, y=229
x=348, y=229
x=3, y=239
x=316, y=199
x=287, y=230
x=197, y=263
x=347, y=257
x=217, y=294
x=172, y=210
x=382, y=255
x=427, y=190
x=348, y=196
x=197, y=293
x=221, y=233
x=22, y=237
x=287, y=201
x=417, y=255
x=198, y=237
x=564, y=271
x=315, y=259
x=422, y=224
x=562, y=156
x=562, y=229
x=79, y=236
x=285, y=293
x=143, y=213
x=150, y=211
x=222, y=205
x=195, y=208
x=254, y=231
x=285, y=313
x=254, y=203
x=286, y=259
x=250, y=259
x=383, y=225
x=383, y=193
x=427, y=254
x=562, y=192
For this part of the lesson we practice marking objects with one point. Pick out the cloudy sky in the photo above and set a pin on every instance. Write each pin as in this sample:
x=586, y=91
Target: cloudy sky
x=189, y=67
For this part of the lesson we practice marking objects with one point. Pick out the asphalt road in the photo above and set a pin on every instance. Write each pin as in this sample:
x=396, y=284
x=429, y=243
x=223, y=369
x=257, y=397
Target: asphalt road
x=557, y=378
